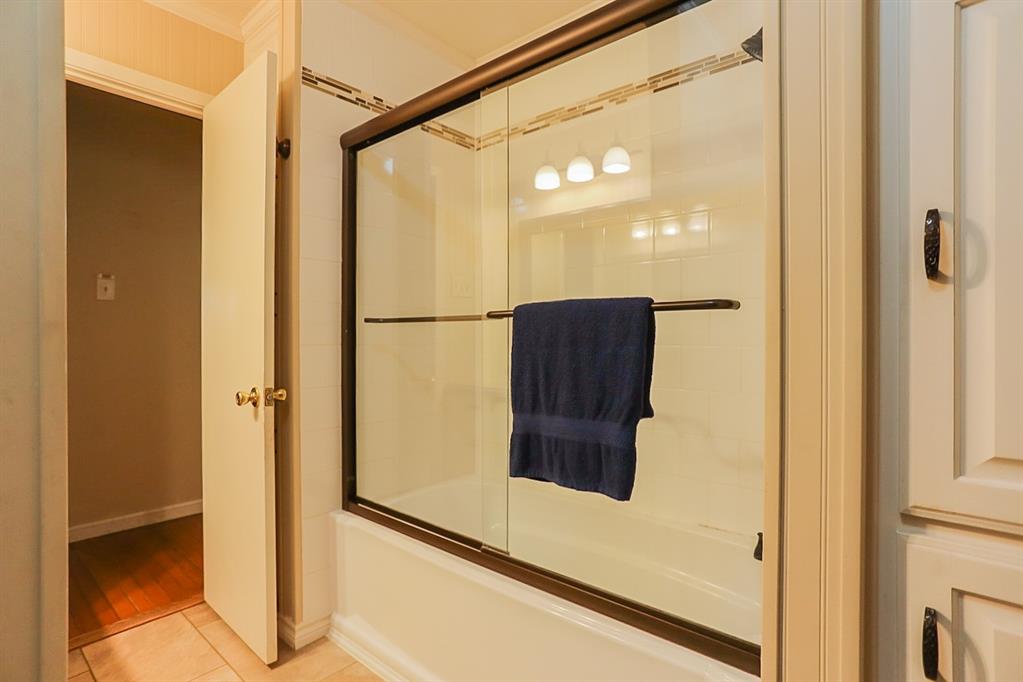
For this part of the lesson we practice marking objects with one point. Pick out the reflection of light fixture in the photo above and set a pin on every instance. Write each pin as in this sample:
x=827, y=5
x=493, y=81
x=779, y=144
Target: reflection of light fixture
x=670, y=230
x=640, y=233
x=616, y=160
x=579, y=170
x=547, y=178
x=697, y=222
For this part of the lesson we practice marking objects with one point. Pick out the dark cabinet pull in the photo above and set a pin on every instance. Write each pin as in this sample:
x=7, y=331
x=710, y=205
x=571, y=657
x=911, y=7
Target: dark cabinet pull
x=758, y=551
x=932, y=242
x=929, y=643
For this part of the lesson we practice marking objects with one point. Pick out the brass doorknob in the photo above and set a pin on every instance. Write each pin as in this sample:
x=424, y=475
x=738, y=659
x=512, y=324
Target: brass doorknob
x=243, y=398
x=278, y=394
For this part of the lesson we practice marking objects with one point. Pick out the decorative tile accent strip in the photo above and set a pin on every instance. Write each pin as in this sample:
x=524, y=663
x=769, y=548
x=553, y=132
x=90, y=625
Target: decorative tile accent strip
x=378, y=105
x=620, y=95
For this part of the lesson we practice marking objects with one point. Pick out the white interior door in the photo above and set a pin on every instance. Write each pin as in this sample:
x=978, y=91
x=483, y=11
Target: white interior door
x=962, y=345
x=238, y=355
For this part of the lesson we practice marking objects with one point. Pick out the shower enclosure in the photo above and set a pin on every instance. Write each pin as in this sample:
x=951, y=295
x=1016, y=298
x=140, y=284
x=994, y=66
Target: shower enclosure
x=624, y=160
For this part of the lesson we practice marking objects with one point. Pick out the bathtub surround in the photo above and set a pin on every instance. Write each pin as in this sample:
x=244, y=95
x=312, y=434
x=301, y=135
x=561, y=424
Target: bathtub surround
x=446, y=233
x=580, y=383
x=341, y=45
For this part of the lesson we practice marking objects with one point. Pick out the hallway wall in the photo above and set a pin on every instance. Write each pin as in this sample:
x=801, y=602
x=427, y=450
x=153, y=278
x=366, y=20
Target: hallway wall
x=147, y=38
x=134, y=211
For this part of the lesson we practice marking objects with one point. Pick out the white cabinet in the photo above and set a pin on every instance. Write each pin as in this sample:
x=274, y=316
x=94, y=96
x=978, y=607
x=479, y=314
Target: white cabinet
x=962, y=339
x=976, y=590
x=951, y=102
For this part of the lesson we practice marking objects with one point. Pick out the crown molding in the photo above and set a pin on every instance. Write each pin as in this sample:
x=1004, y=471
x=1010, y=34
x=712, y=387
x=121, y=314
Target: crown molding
x=264, y=14
x=101, y=74
x=195, y=12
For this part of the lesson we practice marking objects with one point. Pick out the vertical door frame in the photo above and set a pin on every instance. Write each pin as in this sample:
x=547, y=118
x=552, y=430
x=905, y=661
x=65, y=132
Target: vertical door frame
x=32, y=40
x=820, y=189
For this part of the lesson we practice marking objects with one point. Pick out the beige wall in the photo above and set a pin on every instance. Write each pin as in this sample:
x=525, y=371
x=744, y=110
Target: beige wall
x=33, y=443
x=143, y=37
x=134, y=203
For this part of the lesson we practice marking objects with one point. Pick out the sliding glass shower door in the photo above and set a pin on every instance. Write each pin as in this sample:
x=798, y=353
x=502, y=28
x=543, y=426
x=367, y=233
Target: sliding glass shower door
x=631, y=169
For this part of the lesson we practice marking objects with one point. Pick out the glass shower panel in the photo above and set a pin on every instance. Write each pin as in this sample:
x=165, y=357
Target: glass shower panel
x=418, y=409
x=492, y=147
x=669, y=121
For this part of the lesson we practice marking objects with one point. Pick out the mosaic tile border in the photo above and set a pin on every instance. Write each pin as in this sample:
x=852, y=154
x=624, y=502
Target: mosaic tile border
x=378, y=105
x=623, y=94
x=620, y=95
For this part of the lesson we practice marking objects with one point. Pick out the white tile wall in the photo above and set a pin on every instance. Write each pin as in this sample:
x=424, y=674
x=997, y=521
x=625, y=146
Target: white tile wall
x=697, y=232
x=339, y=41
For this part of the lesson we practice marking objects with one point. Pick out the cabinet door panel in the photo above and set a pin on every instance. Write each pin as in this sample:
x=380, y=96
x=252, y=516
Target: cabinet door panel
x=963, y=339
x=977, y=591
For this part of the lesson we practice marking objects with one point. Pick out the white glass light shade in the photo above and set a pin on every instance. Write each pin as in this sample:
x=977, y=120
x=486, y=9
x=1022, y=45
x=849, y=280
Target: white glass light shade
x=579, y=170
x=616, y=160
x=547, y=178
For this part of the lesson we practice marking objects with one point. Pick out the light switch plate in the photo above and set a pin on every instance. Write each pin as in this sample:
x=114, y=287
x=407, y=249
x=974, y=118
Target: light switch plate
x=105, y=287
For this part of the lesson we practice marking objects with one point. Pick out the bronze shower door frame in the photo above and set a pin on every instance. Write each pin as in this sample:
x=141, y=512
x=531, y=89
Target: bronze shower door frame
x=606, y=24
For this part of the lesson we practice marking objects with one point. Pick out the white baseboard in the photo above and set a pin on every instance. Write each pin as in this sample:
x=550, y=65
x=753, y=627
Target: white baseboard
x=298, y=636
x=374, y=651
x=96, y=528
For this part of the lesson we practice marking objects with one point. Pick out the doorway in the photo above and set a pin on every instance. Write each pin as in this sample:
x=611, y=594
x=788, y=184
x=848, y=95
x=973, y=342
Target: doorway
x=134, y=225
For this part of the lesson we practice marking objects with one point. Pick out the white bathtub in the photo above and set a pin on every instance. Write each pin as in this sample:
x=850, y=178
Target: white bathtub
x=701, y=574
x=413, y=612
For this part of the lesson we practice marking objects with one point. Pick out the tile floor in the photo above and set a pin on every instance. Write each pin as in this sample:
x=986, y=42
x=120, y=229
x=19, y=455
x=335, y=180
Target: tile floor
x=195, y=644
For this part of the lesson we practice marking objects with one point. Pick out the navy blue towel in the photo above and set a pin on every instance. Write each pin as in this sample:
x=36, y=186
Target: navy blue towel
x=580, y=383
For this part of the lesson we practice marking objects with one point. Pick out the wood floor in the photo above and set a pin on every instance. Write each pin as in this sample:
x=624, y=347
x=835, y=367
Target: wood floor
x=121, y=580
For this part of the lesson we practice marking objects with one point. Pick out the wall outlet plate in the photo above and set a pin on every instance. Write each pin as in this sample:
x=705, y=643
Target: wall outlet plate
x=105, y=287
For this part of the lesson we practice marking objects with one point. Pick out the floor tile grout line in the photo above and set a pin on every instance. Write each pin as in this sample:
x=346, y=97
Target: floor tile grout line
x=212, y=645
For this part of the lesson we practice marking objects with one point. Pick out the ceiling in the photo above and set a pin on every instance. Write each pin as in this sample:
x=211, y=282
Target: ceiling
x=478, y=28
x=471, y=29
x=229, y=10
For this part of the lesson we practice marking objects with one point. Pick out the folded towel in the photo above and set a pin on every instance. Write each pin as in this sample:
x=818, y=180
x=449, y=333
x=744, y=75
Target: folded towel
x=580, y=382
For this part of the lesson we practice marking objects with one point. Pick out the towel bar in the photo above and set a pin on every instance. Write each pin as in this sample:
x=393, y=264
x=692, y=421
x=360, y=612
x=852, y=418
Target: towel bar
x=657, y=306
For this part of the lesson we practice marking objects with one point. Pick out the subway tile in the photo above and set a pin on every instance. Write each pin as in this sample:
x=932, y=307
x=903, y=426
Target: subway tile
x=319, y=322
x=684, y=235
x=751, y=464
x=319, y=238
x=667, y=367
x=667, y=283
x=321, y=492
x=317, y=602
x=316, y=543
x=690, y=328
x=320, y=365
x=738, y=228
x=629, y=242
x=321, y=154
x=319, y=280
x=742, y=327
x=639, y=279
x=321, y=450
x=320, y=408
x=321, y=196
x=752, y=360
